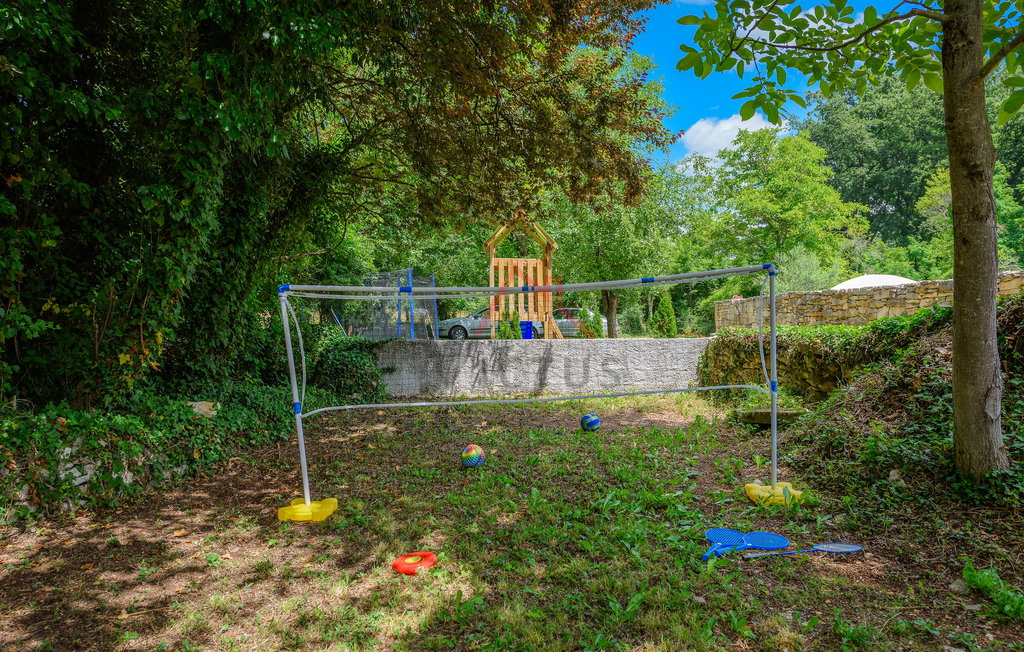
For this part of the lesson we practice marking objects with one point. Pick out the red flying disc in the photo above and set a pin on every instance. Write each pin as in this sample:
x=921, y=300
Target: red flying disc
x=412, y=562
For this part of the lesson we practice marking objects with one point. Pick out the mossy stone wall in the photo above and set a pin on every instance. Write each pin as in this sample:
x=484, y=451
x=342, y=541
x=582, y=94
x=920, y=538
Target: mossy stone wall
x=849, y=307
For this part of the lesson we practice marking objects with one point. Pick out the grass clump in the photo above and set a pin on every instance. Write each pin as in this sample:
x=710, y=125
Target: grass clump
x=1009, y=602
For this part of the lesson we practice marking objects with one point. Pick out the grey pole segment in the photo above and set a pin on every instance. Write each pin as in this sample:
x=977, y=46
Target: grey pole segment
x=296, y=404
x=774, y=381
x=437, y=326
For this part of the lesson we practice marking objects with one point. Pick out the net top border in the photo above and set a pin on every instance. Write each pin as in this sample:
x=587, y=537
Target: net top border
x=287, y=289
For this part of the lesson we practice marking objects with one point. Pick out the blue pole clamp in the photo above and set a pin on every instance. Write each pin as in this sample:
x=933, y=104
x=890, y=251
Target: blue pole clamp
x=647, y=279
x=774, y=385
x=283, y=288
x=298, y=407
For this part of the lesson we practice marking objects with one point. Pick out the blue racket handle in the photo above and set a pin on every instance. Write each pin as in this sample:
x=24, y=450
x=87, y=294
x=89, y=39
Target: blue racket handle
x=713, y=550
x=724, y=548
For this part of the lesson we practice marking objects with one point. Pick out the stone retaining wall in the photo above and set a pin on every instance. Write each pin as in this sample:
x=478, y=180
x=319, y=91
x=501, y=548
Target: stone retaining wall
x=849, y=307
x=533, y=367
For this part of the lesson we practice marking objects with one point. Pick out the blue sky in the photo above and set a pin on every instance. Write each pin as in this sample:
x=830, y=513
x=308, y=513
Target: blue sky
x=704, y=107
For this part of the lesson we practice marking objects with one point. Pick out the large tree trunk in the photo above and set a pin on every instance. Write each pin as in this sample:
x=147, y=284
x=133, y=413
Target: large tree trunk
x=977, y=386
x=610, y=307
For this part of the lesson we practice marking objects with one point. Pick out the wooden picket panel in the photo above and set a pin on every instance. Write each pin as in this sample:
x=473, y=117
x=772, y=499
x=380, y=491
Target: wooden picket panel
x=520, y=272
x=530, y=306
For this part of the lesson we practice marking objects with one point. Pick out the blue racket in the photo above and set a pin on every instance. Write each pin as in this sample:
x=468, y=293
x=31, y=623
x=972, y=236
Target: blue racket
x=836, y=548
x=760, y=540
x=720, y=537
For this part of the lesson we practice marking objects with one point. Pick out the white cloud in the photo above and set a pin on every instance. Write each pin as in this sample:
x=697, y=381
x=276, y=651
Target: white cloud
x=708, y=135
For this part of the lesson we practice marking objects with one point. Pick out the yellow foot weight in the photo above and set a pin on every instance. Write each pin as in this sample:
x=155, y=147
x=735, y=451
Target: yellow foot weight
x=317, y=510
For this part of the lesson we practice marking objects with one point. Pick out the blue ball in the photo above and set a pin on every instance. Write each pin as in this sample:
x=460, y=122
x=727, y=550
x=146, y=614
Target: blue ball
x=590, y=422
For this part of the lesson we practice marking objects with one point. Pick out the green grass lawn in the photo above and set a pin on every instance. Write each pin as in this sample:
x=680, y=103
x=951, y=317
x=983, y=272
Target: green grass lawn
x=563, y=540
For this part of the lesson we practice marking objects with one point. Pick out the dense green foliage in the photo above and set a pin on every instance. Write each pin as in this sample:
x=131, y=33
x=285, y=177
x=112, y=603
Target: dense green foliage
x=898, y=415
x=168, y=165
x=767, y=198
x=346, y=367
x=155, y=441
x=813, y=357
x=882, y=145
x=663, y=323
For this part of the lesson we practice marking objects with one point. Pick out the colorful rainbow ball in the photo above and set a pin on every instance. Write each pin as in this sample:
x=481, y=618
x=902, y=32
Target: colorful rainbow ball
x=590, y=423
x=473, y=455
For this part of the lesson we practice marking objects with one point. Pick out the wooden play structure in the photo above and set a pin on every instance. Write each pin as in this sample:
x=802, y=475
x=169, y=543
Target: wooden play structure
x=521, y=272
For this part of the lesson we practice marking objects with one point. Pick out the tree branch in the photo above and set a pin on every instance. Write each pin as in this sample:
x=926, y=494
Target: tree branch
x=913, y=13
x=998, y=57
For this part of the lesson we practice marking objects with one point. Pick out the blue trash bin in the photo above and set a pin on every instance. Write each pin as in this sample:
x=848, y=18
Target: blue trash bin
x=526, y=328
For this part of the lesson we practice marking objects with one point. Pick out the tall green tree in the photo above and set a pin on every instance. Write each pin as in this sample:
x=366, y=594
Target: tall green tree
x=881, y=145
x=766, y=195
x=951, y=47
x=764, y=199
x=615, y=242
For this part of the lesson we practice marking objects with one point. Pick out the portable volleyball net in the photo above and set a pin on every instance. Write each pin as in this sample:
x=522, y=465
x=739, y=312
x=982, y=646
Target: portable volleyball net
x=306, y=509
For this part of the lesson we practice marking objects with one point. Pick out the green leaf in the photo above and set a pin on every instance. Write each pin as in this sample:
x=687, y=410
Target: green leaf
x=689, y=61
x=690, y=20
x=748, y=109
x=933, y=81
x=913, y=79
x=1011, y=106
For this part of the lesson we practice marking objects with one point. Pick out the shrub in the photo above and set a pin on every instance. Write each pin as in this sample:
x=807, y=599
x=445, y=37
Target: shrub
x=62, y=457
x=508, y=327
x=346, y=366
x=664, y=322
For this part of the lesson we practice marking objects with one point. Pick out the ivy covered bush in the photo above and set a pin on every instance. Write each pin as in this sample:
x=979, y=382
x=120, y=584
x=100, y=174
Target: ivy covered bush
x=346, y=368
x=60, y=458
x=889, y=434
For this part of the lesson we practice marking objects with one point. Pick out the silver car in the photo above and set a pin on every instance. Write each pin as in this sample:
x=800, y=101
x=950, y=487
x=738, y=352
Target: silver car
x=478, y=324
x=475, y=326
x=568, y=321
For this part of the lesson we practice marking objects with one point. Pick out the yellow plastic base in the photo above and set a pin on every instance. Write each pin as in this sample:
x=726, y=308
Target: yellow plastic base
x=316, y=510
x=782, y=494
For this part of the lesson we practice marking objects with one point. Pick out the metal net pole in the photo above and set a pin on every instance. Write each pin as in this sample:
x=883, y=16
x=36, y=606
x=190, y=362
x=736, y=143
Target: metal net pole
x=296, y=403
x=774, y=383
